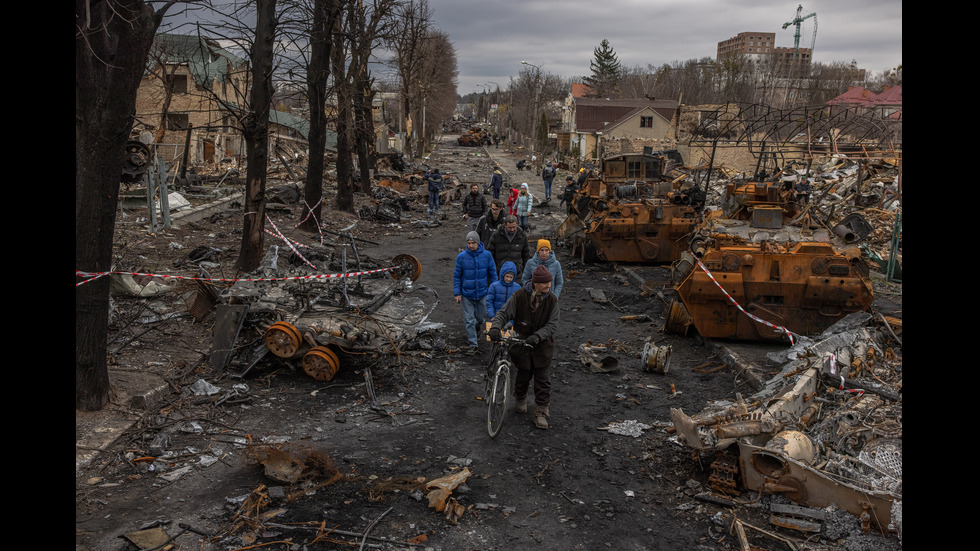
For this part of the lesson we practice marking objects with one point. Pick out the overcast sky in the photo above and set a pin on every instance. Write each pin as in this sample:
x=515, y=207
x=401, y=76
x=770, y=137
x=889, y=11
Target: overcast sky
x=493, y=36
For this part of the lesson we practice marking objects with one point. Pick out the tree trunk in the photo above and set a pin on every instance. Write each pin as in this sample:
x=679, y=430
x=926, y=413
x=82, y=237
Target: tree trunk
x=365, y=131
x=112, y=43
x=345, y=195
x=256, y=134
x=324, y=15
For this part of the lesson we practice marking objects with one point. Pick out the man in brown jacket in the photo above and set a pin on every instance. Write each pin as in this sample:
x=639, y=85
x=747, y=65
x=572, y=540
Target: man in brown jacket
x=534, y=309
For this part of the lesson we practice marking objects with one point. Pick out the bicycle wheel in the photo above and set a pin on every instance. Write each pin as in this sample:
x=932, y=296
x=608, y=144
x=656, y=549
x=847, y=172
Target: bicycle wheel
x=491, y=369
x=497, y=399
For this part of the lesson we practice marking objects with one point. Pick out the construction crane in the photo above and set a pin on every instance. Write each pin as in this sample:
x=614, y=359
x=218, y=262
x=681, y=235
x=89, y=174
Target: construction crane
x=798, y=20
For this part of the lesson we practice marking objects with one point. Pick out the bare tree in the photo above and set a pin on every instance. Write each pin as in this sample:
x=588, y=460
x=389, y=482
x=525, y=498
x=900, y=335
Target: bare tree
x=438, y=74
x=413, y=20
x=112, y=43
x=368, y=25
x=255, y=130
x=324, y=17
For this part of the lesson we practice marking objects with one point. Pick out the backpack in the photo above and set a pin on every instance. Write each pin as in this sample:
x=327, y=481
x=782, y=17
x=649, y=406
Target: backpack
x=548, y=173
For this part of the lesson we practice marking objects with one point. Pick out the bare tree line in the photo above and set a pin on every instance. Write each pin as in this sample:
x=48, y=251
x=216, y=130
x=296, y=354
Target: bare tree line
x=322, y=47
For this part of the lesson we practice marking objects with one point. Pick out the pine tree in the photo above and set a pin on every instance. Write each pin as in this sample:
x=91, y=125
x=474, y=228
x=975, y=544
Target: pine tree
x=605, y=71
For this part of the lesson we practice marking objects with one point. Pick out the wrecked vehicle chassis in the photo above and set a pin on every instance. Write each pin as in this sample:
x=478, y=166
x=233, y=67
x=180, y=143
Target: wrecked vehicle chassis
x=335, y=318
x=633, y=213
x=758, y=291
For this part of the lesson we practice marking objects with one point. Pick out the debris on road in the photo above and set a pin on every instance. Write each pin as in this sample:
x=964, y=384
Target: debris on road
x=825, y=431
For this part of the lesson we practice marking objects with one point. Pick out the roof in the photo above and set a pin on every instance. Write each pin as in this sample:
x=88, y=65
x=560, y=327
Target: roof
x=202, y=56
x=891, y=96
x=855, y=95
x=580, y=90
x=596, y=114
x=300, y=125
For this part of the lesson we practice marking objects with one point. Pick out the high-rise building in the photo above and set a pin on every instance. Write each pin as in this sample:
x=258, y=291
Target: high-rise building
x=755, y=45
x=760, y=48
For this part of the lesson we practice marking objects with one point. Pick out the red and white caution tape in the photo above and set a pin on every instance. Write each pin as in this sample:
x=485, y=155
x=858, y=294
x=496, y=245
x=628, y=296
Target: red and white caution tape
x=309, y=211
x=287, y=242
x=779, y=328
x=92, y=276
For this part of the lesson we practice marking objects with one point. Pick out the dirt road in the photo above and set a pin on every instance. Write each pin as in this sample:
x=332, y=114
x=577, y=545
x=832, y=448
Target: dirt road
x=582, y=484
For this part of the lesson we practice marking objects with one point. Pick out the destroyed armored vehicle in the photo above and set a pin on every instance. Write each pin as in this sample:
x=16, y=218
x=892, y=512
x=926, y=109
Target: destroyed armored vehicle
x=475, y=138
x=634, y=212
x=749, y=274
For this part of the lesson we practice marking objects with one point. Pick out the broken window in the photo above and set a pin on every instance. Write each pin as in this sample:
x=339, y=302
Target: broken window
x=646, y=122
x=177, y=83
x=177, y=121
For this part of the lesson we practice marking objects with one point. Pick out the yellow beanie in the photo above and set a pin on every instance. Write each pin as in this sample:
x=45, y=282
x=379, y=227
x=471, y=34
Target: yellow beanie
x=543, y=243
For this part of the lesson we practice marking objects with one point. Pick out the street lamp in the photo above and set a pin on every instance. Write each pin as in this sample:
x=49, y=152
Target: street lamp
x=537, y=94
x=496, y=120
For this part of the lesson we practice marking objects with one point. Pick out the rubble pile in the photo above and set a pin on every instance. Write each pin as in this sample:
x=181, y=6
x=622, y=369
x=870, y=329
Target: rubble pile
x=824, y=432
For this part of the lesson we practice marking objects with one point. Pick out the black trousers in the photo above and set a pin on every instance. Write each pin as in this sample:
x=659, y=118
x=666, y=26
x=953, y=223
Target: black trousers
x=542, y=383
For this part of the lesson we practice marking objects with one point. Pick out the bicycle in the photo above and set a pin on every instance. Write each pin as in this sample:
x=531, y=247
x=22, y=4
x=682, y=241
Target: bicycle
x=498, y=382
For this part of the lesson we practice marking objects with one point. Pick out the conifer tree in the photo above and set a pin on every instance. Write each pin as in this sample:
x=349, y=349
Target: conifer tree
x=605, y=71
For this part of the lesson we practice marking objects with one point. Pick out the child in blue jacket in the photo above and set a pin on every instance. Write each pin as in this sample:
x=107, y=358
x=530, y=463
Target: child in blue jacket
x=500, y=290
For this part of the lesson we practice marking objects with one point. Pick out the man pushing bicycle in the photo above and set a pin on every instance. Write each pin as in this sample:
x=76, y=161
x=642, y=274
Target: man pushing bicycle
x=534, y=309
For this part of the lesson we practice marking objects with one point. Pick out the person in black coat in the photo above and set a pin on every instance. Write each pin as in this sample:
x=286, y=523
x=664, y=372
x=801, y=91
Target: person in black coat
x=509, y=242
x=491, y=221
x=474, y=207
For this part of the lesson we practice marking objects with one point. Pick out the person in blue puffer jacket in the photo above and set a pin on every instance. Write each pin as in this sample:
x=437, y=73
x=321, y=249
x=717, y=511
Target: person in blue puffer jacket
x=545, y=257
x=474, y=272
x=501, y=290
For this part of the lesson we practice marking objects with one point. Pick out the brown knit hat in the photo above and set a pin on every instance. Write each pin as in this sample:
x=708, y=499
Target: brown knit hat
x=541, y=275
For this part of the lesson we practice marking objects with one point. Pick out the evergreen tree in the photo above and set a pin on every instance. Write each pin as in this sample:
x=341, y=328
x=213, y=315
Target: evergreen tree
x=605, y=71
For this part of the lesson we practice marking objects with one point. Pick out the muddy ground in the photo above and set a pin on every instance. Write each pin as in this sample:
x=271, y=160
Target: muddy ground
x=390, y=425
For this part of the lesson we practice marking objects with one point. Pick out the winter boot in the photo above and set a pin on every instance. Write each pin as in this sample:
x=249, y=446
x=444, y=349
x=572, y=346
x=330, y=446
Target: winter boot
x=541, y=417
x=520, y=405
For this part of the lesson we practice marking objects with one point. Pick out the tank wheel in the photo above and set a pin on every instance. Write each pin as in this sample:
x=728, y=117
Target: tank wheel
x=589, y=252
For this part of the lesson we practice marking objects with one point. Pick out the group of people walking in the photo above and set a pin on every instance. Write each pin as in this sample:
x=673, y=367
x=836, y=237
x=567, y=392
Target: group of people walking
x=498, y=280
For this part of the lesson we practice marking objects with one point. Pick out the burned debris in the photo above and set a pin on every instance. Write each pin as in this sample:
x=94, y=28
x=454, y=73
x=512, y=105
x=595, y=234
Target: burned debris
x=315, y=319
x=826, y=431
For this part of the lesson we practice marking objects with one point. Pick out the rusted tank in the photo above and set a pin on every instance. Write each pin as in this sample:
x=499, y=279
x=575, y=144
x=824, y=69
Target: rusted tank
x=634, y=212
x=475, y=138
x=749, y=275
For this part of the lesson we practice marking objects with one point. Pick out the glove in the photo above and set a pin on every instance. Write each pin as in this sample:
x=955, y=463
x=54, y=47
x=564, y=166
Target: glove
x=494, y=334
x=533, y=340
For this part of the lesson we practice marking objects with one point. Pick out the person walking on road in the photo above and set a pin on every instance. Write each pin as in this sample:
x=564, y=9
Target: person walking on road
x=548, y=175
x=545, y=257
x=534, y=310
x=509, y=242
x=568, y=194
x=491, y=221
x=502, y=289
x=474, y=273
x=512, y=201
x=522, y=207
x=474, y=207
x=435, y=188
x=496, y=182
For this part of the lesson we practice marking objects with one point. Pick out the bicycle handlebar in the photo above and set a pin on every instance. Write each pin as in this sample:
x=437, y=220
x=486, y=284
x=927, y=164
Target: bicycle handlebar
x=514, y=340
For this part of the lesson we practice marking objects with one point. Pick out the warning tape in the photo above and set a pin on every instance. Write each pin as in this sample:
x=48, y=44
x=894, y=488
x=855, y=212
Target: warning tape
x=287, y=242
x=779, y=328
x=310, y=214
x=91, y=276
